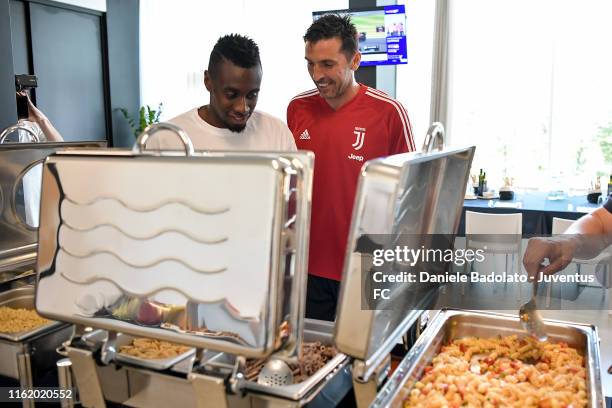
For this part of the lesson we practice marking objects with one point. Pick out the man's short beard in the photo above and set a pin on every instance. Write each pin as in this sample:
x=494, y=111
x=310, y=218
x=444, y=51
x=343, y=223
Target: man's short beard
x=236, y=129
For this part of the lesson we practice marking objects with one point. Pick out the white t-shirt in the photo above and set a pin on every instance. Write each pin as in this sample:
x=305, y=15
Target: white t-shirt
x=263, y=132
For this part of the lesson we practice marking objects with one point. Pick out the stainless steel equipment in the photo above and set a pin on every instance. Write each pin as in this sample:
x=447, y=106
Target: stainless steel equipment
x=530, y=317
x=410, y=195
x=205, y=249
x=85, y=253
x=28, y=355
x=17, y=238
x=15, y=128
x=140, y=260
x=275, y=373
x=416, y=198
x=454, y=324
x=327, y=386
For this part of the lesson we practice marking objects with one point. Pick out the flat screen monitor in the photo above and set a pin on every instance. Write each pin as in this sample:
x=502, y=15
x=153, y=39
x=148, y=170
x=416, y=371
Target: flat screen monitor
x=381, y=31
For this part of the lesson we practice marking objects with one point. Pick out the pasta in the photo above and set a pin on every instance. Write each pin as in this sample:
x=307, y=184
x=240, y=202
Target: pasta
x=19, y=320
x=153, y=349
x=502, y=372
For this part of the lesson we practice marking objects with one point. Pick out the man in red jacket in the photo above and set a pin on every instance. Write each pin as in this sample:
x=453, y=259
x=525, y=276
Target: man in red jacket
x=345, y=124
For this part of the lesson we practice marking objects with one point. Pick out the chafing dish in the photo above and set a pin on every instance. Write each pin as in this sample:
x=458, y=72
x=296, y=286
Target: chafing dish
x=27, y=356
x=22, y=298
x=222, y=240
x=404, y=197
x=454, y=324
x=18, y=238
x=31, y=355
x=325, y=388
x=415, y=199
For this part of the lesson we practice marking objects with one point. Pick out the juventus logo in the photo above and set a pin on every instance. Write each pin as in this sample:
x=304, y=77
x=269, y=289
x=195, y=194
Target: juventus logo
x=360, y=137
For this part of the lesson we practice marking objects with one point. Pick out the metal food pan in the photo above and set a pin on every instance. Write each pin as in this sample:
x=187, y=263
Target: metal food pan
x=97, y=337
x=29, y=353
x=154, y=364
x=22, y=298
x=11, y=276
x=313, y=331
x=449, y=325
x=335, y=374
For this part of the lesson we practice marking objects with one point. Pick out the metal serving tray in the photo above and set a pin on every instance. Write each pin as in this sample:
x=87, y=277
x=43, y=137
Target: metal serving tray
x=96, y=338
x=23, y=298
x=314, y=330
x=155, y=364
x=453, y=324
x=211, y=234
x=325, y=387
x=26, y=354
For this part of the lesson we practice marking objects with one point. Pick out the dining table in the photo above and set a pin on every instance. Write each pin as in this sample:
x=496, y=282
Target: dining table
x=537, y=207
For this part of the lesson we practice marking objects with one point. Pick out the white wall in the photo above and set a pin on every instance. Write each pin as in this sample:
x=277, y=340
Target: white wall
x=177, y=37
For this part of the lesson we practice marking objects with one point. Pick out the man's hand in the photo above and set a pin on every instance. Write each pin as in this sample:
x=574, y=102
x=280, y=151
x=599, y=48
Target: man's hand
x=558, y=250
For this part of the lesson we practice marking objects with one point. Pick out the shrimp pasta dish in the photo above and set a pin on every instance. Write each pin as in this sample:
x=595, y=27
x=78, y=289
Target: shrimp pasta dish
x=502, y=372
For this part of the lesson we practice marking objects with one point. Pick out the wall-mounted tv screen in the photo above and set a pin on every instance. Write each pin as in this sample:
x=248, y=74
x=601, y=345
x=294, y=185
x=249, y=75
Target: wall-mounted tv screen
x=381, y=31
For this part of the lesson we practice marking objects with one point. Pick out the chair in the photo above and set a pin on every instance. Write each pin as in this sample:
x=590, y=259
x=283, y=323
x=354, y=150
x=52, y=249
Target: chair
x=559, y=226
x=496, y=234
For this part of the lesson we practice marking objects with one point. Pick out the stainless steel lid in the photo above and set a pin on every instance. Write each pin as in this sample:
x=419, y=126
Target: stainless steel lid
x=407, y=195
x=18, y=237
x=203, y=249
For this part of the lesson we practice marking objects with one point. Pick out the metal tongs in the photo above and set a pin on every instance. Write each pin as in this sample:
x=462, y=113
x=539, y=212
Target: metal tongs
x=530, y=316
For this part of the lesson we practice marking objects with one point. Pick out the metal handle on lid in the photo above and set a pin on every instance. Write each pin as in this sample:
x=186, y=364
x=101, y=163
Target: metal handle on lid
x=13, y=128
x=150, y=130
x=434, y=138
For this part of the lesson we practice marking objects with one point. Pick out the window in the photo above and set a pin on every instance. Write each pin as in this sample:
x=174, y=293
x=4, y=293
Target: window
x=413, y=84
x=530, y=85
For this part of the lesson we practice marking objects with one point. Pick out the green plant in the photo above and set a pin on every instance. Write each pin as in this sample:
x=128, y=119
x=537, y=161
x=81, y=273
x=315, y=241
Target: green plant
x=604, y=137
x=146, y=117
x=580, y=157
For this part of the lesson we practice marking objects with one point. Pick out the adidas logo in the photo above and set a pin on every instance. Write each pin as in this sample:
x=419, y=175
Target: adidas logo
x=305, y=135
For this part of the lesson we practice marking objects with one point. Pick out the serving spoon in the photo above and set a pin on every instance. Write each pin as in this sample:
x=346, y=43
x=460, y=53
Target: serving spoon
x=530, y=316
x=275, y=373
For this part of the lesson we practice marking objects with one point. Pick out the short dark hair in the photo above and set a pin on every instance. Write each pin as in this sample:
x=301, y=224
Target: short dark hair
x=239, y=49
x=334, y=25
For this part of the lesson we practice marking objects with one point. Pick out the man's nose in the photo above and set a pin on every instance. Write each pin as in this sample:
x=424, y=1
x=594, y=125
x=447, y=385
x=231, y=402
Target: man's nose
x=241, y=105
x=317, y=73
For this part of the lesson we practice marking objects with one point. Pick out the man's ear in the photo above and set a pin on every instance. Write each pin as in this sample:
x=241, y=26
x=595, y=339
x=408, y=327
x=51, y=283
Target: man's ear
x=355, y=61
x=207, y=81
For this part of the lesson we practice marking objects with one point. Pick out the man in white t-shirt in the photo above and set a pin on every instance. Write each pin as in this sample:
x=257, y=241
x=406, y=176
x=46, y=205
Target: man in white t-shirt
x=229, y=121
